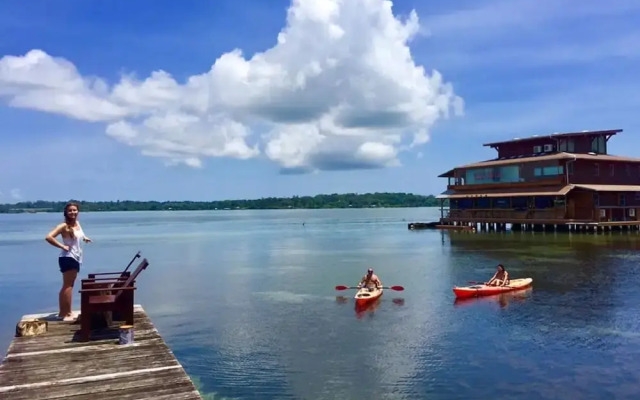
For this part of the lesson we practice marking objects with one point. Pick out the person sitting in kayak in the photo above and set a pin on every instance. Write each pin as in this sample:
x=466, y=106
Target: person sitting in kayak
x=500, y=278
x=370, y=280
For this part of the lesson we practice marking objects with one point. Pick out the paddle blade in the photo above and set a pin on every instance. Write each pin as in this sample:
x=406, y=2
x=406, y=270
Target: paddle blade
x=399, y=288
x=340, y=287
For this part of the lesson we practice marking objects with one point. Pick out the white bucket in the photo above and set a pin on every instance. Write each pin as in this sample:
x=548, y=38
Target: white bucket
x=126, y=334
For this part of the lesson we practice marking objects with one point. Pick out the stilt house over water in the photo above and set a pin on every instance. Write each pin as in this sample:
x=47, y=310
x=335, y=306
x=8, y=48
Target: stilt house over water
x=557, y=181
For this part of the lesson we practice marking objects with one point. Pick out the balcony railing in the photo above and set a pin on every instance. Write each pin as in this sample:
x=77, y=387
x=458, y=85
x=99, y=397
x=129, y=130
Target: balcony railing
x=506, y=215
x=555, y=181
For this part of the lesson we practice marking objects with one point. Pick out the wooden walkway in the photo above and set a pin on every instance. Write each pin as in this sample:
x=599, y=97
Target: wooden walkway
x=56, y=366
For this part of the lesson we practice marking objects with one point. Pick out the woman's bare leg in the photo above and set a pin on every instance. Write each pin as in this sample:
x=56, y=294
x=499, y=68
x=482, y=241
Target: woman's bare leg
x=66, y=292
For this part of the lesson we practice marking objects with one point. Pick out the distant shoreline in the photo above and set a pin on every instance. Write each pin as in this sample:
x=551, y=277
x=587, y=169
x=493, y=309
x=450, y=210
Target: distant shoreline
x=331, y=201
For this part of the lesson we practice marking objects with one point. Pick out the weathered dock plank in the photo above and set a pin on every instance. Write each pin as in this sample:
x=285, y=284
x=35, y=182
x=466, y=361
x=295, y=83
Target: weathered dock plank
x=55, y=365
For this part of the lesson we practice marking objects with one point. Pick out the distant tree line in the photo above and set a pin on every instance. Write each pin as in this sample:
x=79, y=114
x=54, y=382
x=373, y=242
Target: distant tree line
x=350, y=200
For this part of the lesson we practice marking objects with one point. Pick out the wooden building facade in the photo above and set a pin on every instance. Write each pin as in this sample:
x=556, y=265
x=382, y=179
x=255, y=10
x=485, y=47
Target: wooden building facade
x=564, y=180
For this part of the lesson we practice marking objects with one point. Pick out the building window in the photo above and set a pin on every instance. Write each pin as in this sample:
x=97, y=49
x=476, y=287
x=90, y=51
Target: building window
x=598, y=145
x=612, y=169
x=637, y=196
x=501, y=202
x=543, y=202
x=537, y=149
x=483, y=202
x=570, y=168
x=548, y=171
x=568, y=145
x=562, y=145
x=597, y=169
x=556, y=170
x=520, y=203
x=622, y=198
x=464, y=204
x=506, y=174
x=596, y=199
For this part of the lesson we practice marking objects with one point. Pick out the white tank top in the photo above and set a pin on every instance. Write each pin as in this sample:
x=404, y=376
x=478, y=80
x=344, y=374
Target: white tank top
x=75, y=250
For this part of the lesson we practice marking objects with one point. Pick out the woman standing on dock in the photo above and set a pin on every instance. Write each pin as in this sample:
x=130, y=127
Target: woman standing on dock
x=70, y=258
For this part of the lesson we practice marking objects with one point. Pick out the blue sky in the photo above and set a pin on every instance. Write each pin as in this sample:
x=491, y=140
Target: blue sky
x=212, y=100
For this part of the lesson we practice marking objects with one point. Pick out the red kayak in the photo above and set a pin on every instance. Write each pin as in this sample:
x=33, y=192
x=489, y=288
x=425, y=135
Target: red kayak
x=463, y=292
x=364, y=296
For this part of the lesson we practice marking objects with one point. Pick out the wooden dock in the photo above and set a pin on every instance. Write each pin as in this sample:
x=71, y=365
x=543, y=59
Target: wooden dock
x=54, y=365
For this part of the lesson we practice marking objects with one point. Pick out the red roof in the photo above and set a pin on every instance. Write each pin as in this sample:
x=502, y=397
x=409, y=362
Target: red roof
x=556, y=136
x=546, y=157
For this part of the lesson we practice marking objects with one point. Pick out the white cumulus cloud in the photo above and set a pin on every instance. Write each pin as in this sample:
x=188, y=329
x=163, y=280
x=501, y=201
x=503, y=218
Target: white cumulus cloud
x=339, y=90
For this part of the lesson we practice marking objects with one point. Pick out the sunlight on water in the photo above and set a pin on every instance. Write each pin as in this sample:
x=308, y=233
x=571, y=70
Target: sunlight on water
x=246, y=301
x=289, y=297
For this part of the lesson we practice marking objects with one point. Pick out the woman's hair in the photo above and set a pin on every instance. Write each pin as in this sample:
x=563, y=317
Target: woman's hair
x=501, y=266
x=69, y=228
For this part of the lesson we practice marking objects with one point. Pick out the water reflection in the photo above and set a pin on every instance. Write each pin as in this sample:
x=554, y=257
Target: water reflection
x=342, y=299
x=362, y=310
x=365, y=309
x=254, y=314
x=502, y=299
x=579, y=266
x=398, y=301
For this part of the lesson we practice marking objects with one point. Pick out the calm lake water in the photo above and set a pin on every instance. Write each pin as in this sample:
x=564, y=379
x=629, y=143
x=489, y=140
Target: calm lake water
x=246, y=301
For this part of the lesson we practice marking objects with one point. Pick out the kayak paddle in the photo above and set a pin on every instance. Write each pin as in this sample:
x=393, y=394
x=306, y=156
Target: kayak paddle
x=340, y=287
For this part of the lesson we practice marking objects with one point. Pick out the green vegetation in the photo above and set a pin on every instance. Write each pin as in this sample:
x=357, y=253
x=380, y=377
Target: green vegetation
x=349, y=200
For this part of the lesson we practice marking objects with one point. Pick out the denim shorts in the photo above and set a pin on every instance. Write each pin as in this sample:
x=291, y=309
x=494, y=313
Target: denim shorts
x=68, y=263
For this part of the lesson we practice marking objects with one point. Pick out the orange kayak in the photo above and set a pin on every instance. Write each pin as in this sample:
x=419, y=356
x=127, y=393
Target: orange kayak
x=463, y=292
x=364, y=296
